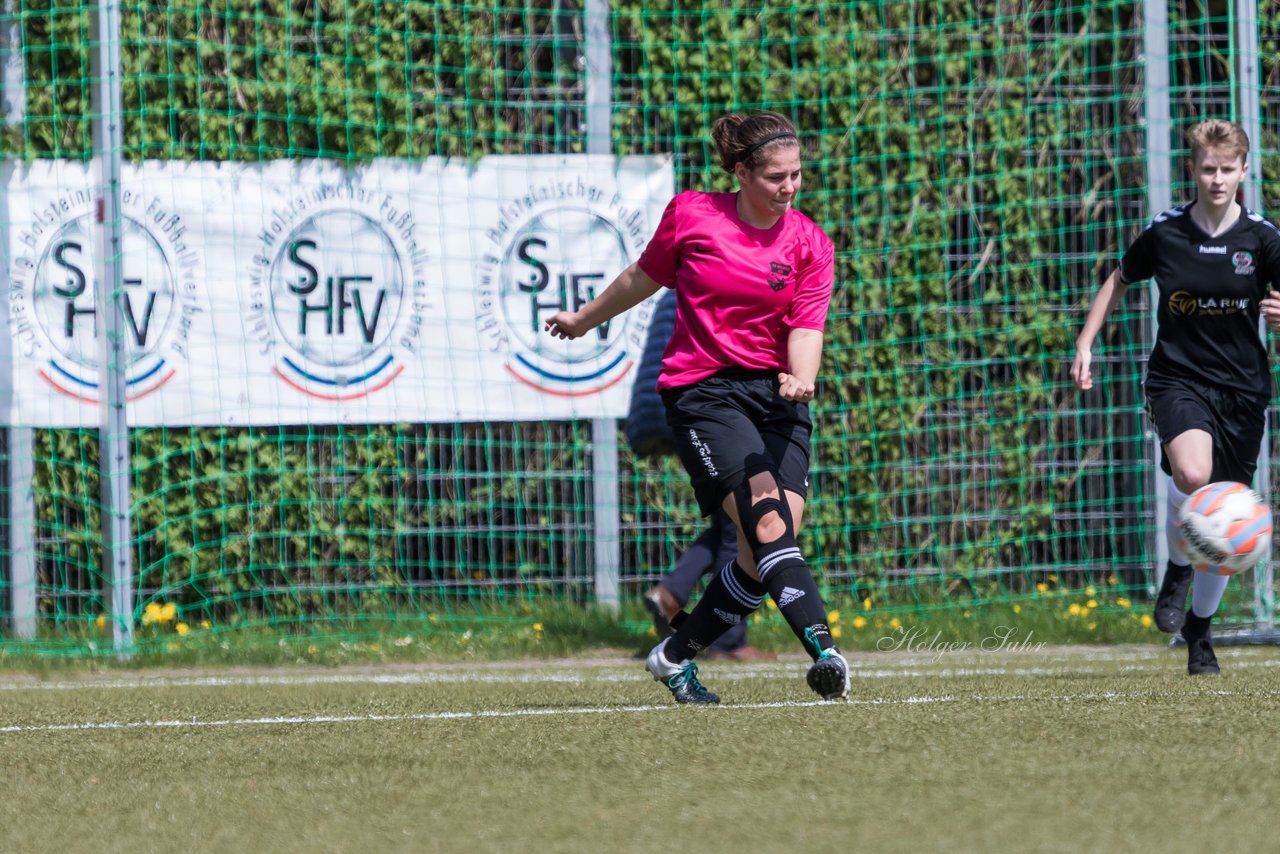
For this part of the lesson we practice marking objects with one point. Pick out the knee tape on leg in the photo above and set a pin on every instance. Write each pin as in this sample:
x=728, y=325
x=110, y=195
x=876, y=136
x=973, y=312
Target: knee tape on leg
x=750, y=515
x=777, y=553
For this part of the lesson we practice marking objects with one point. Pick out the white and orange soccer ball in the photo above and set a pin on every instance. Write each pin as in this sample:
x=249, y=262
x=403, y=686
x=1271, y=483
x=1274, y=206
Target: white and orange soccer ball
x=1226, y=527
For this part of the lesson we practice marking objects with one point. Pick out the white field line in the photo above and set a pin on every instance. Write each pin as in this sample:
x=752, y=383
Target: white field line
x=541, y=674
x=434, y=716
x=89, y=726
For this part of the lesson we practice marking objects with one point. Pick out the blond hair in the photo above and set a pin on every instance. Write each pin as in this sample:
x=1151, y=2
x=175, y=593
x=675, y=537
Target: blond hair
x=1220, y=134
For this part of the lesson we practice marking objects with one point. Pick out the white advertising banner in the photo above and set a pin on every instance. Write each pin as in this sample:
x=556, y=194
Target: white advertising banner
x=297, y=292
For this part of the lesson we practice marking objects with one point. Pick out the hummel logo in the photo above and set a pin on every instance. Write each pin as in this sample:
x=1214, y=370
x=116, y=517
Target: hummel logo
x=789, y=595
x=1213, y=250
x=731, y=619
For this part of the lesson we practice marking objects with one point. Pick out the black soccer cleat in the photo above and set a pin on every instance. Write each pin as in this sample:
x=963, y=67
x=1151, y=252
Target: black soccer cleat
x=1171, y=601
x=829, y=675
x=1200, y=658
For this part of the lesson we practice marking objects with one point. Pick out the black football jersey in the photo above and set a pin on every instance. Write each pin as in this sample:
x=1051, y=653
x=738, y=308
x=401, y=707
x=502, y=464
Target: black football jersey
x=1209, y=290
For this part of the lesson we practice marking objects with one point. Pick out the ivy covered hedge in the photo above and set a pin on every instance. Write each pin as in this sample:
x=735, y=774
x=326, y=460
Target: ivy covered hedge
x=978, y=164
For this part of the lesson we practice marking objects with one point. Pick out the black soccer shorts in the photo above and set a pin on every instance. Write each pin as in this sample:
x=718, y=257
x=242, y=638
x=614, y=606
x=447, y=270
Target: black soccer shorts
x=1235, y=419
x=733, y=425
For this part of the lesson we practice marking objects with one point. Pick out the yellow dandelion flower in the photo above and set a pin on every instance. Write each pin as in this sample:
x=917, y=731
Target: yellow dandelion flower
x=866, y=604
x=1112, y=580
x=167, y=612
x=1075, y=610
x=859, y=622
x=1042, y=587
x=833, y=616
x=1017, y=609
x=895, y=623
x=1146, y=619
x=312, y=650
x=1092, y=603
x=1053, y=578
x=1124, y=603
x=152, y=609
x=182, y=628
x=205, y=624
x=1092, y=626
x=537, y=627
x=1090, y=591
x=835, y=631
x=101, y=621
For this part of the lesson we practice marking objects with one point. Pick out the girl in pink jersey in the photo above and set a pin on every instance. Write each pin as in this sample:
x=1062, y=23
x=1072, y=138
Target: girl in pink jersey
x=753, y=279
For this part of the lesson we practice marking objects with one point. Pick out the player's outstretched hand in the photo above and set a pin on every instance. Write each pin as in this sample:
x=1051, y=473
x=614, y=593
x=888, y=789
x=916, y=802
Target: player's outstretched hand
x=566, y=324
x=793, y=389
x=1080, y=373
x=1270, y=308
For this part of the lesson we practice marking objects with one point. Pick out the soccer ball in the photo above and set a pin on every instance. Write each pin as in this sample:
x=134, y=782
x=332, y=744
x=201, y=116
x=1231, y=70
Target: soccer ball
x=1227, y=528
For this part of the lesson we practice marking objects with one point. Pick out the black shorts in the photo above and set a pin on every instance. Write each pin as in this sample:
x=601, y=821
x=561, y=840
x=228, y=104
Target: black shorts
x=733, y=425
x=1235, y=419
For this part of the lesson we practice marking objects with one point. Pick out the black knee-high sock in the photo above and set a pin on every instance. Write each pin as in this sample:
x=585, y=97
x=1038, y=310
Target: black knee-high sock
x=731, y=597
x=796, y=593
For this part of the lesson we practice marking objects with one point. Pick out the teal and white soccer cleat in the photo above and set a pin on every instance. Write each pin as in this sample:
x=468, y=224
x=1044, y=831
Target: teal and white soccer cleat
x=681, y=678
x=829, y=675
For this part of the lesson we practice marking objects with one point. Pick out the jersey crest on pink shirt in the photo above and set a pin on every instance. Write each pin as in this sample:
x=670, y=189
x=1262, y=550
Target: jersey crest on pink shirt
x=781, y=272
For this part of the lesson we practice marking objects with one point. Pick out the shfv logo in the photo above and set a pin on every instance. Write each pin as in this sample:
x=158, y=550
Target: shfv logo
x=56, y=285
x=340, y=282
x=554, y=252
x=66, y=303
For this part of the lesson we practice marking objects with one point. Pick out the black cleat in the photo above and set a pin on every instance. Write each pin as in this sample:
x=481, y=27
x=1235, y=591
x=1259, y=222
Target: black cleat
x=1200, y=658
x=1171, y=602
x=829, y=675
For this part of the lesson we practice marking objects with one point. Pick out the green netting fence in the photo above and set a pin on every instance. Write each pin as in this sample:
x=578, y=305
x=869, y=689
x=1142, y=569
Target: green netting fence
x=980, y=166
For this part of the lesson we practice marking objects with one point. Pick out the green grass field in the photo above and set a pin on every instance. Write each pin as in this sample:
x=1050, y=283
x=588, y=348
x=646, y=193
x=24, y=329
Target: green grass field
x=1054, y=749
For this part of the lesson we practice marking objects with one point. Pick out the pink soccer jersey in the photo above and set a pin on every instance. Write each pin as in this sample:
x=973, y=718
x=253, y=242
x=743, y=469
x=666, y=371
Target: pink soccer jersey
x=739, y=289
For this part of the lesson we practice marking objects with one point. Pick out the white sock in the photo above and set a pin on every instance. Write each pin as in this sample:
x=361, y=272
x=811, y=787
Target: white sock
x=1172, y=533
x=1206, y=593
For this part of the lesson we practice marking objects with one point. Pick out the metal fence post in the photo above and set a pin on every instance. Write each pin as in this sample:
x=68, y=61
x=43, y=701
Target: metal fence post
x=113, y=452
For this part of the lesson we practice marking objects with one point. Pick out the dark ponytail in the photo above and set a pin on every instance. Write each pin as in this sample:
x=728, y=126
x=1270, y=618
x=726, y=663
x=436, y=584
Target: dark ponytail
x=746, y=139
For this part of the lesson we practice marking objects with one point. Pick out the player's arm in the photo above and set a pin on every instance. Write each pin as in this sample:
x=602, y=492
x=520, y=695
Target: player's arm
x=1109, y=296
x=805, y=318
x=804, y=357
x=632, y=287
x=1269, y=306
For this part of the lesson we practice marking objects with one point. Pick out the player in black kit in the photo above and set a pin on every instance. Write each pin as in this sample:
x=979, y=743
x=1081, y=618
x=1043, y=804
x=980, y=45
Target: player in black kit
x=1217, y=268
